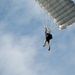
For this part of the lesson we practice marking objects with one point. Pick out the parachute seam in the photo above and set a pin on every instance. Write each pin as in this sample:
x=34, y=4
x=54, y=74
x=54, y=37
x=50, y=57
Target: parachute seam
x=61, y=10
x=69, y=18
x=67, y=14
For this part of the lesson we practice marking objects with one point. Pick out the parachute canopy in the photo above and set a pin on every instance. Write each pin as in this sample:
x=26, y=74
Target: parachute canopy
x=61, y=11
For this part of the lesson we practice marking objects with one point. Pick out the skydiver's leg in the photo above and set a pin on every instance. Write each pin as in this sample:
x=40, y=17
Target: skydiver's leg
x=48, y=46
x=44, y=42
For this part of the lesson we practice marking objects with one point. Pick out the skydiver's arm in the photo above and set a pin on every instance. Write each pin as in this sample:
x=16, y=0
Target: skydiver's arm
x=45, y=30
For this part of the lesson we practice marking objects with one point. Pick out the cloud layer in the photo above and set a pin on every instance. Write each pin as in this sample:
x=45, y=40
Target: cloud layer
x=16, y=57
x=21, y=39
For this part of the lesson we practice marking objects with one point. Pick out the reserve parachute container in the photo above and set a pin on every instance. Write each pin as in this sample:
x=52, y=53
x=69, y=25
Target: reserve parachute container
x=61, y=11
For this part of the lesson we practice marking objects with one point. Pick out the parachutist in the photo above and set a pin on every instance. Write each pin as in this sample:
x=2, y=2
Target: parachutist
x=48, y=37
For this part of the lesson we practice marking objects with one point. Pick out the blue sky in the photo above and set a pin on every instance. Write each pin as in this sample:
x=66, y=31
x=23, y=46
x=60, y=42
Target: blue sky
x=21, y=40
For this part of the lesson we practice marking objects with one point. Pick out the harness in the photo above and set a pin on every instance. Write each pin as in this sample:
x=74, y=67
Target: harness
x=48, y=36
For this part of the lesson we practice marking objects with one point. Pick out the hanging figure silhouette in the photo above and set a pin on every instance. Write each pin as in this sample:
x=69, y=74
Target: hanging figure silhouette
x=48, y=37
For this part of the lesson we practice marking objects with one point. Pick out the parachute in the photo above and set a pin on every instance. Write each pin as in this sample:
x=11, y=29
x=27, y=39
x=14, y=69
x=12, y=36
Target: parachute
x=61, y=11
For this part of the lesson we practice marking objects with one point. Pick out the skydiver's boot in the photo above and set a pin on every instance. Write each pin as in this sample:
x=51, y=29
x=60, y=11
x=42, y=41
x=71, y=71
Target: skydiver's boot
x=49, y=48
x=43, y=45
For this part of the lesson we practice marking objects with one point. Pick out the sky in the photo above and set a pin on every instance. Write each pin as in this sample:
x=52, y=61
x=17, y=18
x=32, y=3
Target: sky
x=21, y=41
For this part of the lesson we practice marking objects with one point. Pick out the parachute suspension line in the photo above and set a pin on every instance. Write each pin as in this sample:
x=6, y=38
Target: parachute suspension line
x=44, y=20
x=47, y=20
x=48, y=23
x=43, y=23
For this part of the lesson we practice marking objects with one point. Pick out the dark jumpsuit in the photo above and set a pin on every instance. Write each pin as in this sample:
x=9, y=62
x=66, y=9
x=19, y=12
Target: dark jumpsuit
x=48, y=37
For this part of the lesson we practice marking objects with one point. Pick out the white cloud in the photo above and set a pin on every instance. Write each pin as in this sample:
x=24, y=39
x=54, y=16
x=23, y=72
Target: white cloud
x=16, y=57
